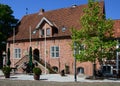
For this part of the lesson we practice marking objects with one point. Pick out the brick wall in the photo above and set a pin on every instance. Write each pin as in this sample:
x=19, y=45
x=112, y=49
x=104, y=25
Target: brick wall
x=65, y=54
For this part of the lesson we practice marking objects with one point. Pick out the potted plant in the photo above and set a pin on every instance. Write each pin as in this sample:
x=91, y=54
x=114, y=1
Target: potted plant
x=37, y=72
x=62, y=73
x=6, y=70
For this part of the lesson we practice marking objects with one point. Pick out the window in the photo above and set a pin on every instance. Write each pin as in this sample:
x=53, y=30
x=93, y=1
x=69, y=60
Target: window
x=107, y=69
x=63, y=29
x=17, y=53
x=54, y=51
x=55, y=68
x=80, y=70
x=42, y=32
x=48, y=32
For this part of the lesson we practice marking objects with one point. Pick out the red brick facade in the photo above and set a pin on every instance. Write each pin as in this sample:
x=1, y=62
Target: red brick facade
x=65, y=54
x=55, y=21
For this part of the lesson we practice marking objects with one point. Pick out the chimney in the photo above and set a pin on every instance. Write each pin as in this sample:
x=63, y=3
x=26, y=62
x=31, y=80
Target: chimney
x=73, y=6
x=41, y=11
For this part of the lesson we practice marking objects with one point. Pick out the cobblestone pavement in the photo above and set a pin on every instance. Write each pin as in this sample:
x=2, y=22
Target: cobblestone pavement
x=56, y=78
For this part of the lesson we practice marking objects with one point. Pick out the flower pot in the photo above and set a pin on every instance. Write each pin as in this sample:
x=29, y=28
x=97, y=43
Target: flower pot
x=6, y=70
x=36, y=77
x=7, y=75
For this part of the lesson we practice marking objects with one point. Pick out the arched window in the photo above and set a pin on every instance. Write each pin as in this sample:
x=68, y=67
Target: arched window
x=80, y=70
x=55, y=68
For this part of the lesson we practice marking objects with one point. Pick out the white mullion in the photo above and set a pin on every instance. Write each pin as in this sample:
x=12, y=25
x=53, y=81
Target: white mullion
x=54, y=51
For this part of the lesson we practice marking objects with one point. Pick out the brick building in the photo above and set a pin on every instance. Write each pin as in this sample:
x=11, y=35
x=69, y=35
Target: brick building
x=48, y=33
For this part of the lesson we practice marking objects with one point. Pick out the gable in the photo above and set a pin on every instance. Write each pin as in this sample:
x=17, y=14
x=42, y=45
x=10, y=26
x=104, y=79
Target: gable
x=42, y=20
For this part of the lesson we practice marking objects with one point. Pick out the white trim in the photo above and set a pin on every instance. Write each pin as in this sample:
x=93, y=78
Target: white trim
x=44, y=19
x=54, y=51
x=17, y=53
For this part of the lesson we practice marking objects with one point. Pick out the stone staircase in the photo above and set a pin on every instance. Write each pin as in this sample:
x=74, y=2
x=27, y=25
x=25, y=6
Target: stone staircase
x=48, y=66
x=41, y=63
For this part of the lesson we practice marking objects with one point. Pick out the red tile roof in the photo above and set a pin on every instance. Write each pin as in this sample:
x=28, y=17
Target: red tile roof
x=68, y=17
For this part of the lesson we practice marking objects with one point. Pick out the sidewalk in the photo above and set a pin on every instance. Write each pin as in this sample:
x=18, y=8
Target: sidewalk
x=56, y=78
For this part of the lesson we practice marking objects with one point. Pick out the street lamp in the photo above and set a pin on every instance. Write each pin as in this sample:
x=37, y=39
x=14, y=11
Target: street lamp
x=117, y=59
x=75, y=75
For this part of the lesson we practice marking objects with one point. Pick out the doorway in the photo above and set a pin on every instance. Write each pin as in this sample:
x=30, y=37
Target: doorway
x=36, y=54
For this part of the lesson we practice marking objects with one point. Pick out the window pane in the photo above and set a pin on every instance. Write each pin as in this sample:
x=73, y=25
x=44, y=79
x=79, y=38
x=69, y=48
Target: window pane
x=15, y=50
x=42, y=32
x=15, y=55
x=57, y=48
x=19, y=50
x=53, y=55
x=48, y=32
x=52, y=49
x=19, y=56
x=57, y=54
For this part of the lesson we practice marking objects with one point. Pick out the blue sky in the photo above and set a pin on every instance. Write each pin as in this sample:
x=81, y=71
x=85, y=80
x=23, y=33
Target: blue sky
x=19, y=6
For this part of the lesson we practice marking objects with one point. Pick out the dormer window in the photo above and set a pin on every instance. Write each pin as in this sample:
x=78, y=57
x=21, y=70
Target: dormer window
x=48, y=32
x=42, y=32
x=63, y=29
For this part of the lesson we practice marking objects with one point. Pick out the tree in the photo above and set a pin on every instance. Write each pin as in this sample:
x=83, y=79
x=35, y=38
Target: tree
x=30, y=60
x=6, y=22
x=96, y=35
x=8, y=58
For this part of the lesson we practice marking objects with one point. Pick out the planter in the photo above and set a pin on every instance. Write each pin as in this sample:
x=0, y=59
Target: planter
x=7, y=75
x=37, y=72
x=6, y=70
x=36, y=77
x=62, y=73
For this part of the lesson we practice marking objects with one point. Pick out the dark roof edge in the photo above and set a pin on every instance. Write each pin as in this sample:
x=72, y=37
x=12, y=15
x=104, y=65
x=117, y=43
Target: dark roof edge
x=41, y=39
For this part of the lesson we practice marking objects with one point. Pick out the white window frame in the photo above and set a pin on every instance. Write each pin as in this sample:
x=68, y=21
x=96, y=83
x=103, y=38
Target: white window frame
x=54, y=52
x=48, y=32
x=17, y=53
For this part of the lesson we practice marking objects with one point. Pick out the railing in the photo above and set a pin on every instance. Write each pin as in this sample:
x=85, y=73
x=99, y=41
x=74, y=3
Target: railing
x=22, y=60
x=48, y=66
x=20, y=63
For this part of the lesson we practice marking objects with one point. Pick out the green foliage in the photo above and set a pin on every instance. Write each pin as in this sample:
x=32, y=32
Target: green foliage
x=37, y=71
x=8, y=55
x=30, y=57
x=96, y=35
x=6, y=22
x=6, y=69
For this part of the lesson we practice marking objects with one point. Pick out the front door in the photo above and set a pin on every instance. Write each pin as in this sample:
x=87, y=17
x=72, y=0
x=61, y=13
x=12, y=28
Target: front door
x=36, y=54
